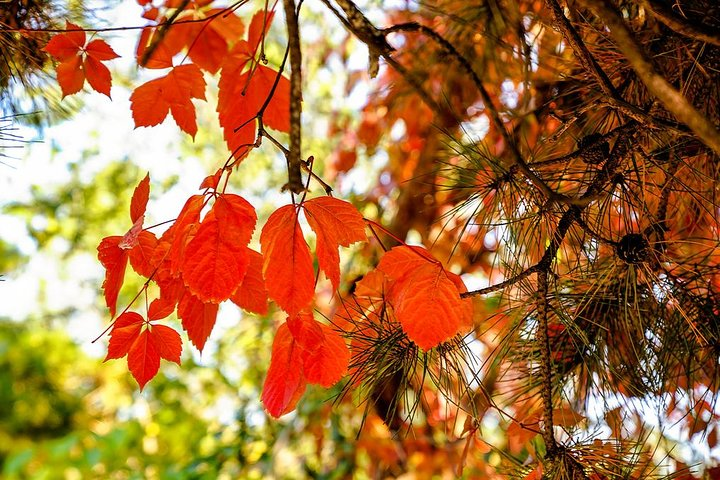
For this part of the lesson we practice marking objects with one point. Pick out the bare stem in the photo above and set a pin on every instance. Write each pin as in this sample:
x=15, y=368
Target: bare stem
x=295, y=183
x=674, y=101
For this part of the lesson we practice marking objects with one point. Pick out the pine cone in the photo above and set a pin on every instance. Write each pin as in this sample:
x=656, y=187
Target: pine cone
x=593, y=149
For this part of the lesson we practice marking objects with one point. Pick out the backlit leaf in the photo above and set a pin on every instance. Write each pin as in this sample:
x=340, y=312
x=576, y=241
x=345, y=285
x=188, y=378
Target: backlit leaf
x=151, y=102
x=287, y=266
x=123, y=334
x=335, y=222
x=66, y=45
x=426, y=302
x=70, y=76
x=138, y=203
x=168, y=342
x=324, y=354
x=216, y=258
x=252, y=295
x=142, y=253
x=198, y=318
x=284, y=384
x=144, y=358
x=114, y=259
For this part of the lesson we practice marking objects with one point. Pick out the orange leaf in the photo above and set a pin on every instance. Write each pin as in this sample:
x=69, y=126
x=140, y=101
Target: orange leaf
x=99, y=50
x=284, y=384
x=211, y=181
x=141, y=254
x=80, y=61
x=216, y=259
x=123, y=334
x=151, y=101
x=259, y=25
x=252, y=295
x=287, y=266
x=70, y=76
x=324, y=354
x=335, y=223
x=140, y=197
x=168, y=342
x=114, y=259
x=97, y=75
x=161, y=56
x=144, y=358
x=187, y=219
x=198, y=318
x=242, y=95
x=566, y=417
x=426, y=302
x=66, y=45
x=160, y=308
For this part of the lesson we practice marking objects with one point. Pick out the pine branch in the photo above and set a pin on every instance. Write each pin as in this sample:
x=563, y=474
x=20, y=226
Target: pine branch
x=674, y=101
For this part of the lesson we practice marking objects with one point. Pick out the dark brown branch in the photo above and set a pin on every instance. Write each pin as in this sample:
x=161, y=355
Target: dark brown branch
x=161, y=32
x=671, y=99
x=294, y=183
x=693, y=30
x=581, y=51
x=546, y=370
x=378, y=46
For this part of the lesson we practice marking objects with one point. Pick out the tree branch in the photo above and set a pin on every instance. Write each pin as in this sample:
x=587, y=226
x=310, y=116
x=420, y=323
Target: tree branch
x=294, y=183
x=671, y=99
x=695, y=31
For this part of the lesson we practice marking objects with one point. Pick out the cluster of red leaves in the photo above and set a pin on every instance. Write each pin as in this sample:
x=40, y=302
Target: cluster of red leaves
x=204, y=258
x=199, y=263
x=211, y=38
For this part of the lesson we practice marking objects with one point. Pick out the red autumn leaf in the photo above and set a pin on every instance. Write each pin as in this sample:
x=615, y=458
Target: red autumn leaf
x=206, y=34
x=114, y=259
x=198, y=318
x=140, y=197
x=161, y=56
x=79, y=62
x=259, y=25
x=426, y=302
x=179, y=233
x=242, y=95
x=151, y=101
x=216, y=258
x=335, y=222
x=160, y=308
x=141, y=254
x=144, y=358
x=70, y=76
x=168, y=342
x=66, y=45
x=144, y=348
x=212, y=181
x=130, y=239
x=284, y=384
x=97, y=75
x=324, y=354
x=252, y=295
x=123, y=334
x=287, y=264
